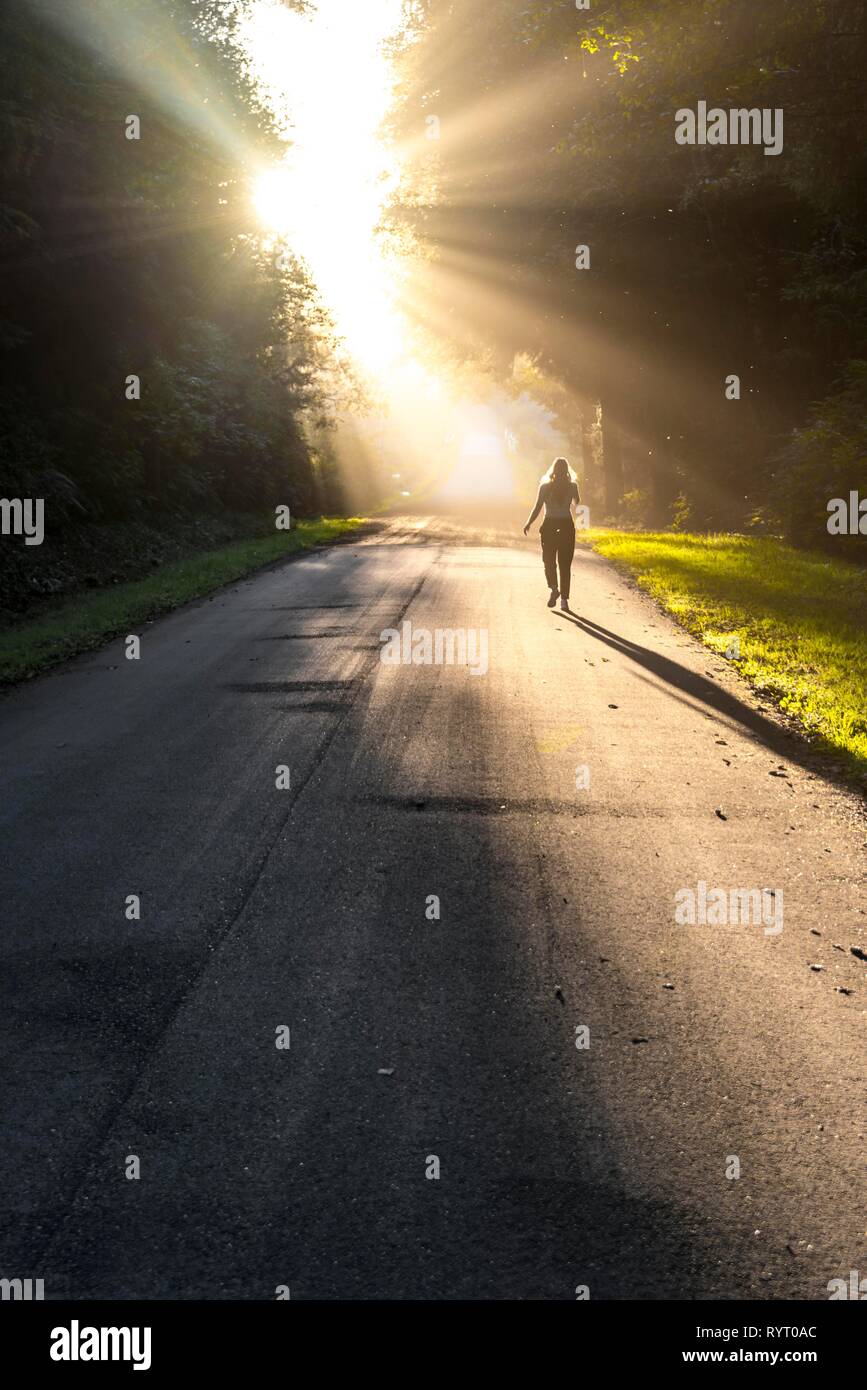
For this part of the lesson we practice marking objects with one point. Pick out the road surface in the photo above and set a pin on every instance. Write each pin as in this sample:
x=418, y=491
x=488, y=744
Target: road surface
x=554, y=805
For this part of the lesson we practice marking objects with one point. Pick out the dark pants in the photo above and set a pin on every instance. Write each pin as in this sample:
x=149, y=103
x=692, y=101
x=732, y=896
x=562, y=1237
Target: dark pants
x=558, y=547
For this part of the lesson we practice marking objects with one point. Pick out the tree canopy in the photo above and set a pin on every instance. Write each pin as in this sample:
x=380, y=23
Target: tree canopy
x=556, y=129
x=130, y=135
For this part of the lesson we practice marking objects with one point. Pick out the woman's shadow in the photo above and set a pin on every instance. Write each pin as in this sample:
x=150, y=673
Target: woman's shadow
x=779, y=739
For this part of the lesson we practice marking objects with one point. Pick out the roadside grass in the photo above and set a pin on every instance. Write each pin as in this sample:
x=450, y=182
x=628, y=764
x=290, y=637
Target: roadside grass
x=93, y=617
x=800, y=619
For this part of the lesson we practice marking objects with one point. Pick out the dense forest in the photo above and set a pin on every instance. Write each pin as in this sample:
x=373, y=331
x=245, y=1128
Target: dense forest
x=167, y=375
x=531, y=131
x=159, y=360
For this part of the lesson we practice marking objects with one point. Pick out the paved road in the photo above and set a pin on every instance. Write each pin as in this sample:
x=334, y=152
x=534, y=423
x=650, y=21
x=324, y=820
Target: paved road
x=413, y=1038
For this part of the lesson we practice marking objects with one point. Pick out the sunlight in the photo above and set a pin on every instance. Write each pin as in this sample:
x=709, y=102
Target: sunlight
x=274, y=197
x=331, y=86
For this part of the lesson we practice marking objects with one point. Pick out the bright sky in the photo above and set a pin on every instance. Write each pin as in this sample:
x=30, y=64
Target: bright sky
x=327, y=73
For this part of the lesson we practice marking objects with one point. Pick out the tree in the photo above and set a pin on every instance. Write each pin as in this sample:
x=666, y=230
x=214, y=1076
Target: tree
x=557, y=129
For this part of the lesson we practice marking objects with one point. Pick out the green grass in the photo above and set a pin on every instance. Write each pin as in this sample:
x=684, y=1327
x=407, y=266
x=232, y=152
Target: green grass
x=800, y=617
x=87, y=621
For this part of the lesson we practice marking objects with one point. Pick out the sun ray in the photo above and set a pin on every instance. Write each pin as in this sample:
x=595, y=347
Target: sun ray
x=330, y=83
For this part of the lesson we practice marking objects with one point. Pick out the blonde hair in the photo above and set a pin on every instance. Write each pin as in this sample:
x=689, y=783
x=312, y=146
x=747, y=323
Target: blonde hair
x=549, y=477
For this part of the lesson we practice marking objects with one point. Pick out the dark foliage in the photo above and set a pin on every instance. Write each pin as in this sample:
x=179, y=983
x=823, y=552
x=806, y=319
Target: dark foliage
x=557, y=129
x=125, y=257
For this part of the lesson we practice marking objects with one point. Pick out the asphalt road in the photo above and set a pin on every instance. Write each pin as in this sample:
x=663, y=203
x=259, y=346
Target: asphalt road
x=412, y=1038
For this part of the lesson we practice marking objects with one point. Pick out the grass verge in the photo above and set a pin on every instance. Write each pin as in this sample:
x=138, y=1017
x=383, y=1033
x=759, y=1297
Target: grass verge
x=800, y=620
x=91, y=618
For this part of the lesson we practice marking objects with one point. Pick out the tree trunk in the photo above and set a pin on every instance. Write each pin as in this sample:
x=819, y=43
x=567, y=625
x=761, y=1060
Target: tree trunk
x=153, y=472
x=588, y=462
x=663, y=481
x=612, y=462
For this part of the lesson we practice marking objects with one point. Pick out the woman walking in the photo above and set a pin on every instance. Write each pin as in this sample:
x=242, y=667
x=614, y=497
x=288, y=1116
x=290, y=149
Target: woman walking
x=557, y=491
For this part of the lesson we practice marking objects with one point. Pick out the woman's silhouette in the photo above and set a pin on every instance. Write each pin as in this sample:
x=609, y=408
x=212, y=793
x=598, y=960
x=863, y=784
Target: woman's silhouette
x=557, y=491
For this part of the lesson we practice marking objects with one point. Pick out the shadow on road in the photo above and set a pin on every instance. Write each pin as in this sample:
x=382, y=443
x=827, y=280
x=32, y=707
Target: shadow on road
x=780, y=740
